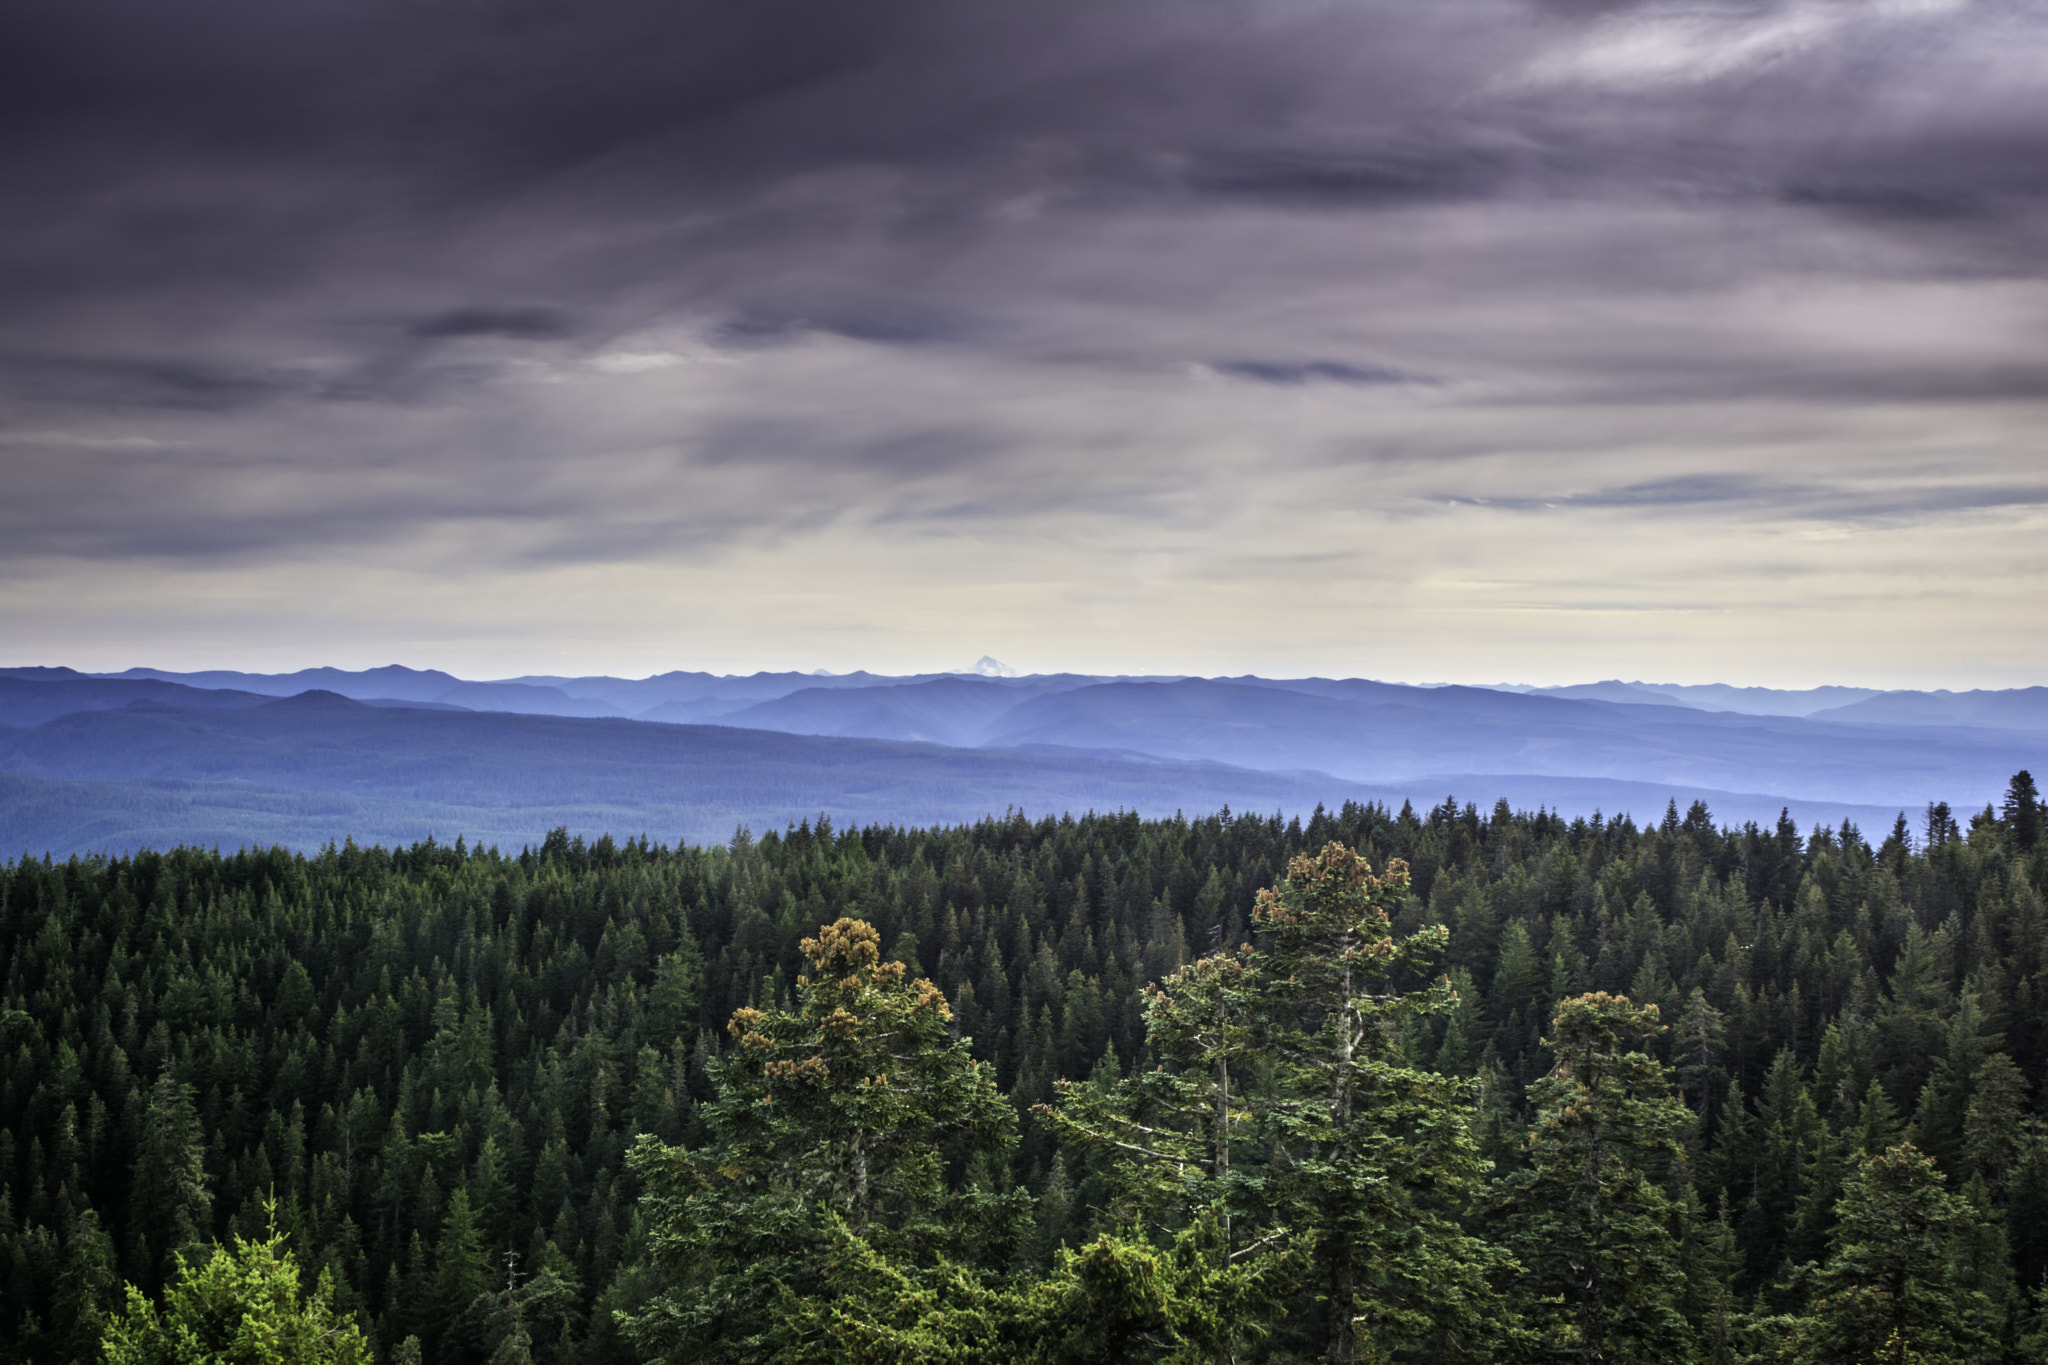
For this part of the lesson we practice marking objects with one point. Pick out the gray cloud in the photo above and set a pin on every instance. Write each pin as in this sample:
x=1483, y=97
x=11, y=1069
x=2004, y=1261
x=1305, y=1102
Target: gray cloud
x=72, y=382
x=519, y=323
x=1764, y=495
x=478, y=295
x=1289, y=372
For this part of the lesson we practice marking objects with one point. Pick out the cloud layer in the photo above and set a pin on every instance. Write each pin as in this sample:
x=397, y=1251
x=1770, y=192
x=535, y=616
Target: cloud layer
x=1479, y=340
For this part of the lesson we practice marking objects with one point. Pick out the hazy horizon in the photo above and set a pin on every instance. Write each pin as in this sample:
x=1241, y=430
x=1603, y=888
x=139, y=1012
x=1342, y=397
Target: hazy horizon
x=567, y=669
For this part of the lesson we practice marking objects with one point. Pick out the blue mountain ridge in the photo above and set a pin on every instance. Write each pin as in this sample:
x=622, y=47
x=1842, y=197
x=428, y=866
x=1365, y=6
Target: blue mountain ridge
x=233, y=764
x=691, y=697
x=311, y=769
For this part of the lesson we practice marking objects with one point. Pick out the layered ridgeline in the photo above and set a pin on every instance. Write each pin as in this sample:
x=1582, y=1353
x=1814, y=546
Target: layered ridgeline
x=149, y=760
x=1354, y=1116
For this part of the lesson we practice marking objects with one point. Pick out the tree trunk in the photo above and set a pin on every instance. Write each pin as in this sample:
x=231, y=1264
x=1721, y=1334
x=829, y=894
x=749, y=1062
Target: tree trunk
x=1224, y=1354
x=1343, y=1291
x=1343, y=1276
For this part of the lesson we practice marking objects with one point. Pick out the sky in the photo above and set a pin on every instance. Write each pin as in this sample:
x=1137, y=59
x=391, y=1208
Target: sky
x=1481, y=340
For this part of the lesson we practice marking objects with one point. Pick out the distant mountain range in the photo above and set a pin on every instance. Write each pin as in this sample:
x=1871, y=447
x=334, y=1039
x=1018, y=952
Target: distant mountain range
x=148, y=756
x=1752, y=701
x=689, y=698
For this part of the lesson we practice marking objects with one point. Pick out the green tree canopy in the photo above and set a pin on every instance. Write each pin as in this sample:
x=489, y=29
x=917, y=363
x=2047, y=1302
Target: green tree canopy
x=1895, y=1288
x=833, y=1120
x=1282, y=1128
x=1369, y=1154
x=236, y=1307
x=170, y=1190
x=1590, y=1217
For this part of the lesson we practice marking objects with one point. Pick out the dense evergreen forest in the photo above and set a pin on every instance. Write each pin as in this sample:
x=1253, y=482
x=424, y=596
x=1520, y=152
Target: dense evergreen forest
x=1602, y=1091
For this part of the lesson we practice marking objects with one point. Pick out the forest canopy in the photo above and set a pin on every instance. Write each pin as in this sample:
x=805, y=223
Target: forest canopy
x=1372, y=1084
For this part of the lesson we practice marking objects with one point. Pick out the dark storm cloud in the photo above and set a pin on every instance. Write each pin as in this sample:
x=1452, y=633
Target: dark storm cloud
x=1292, y=372
x=523, y=324
x=1652, y=379
x=769, y=441
x=322, y=139
x=1907, y=203
x=1341, y=177
x=526, y=281
x=881, y=324
x=154, y=381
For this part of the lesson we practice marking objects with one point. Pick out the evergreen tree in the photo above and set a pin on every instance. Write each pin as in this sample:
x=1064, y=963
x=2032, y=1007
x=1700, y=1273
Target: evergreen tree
x=84, y=1287
x=237, y=1307
x=1590, y=1219
x=2022, y=810
x=371, y=1030
x=1517, y=998
x=1348, y=1145
x=1994, y=1128
x=170, y=1196
x=831, y=1130
x=461, y=1273
x=1892, y=1289
x=1877, y=1124
x=1466, y=1031
x=1173, y=1131
x=1697, y=1045
x=1711, y=1263
x=1370, y=1155
x=1982, y=1261
x=515, y=1346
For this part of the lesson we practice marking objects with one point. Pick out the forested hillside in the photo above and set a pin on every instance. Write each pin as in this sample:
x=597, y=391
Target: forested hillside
x=439, y=1058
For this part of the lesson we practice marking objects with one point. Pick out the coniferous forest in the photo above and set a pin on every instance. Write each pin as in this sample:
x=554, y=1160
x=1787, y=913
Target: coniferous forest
x=1371, y=1086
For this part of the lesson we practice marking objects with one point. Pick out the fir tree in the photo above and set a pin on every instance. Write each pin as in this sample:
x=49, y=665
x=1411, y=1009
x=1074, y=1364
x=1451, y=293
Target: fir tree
x=237, y=1307
x=374, y=1029
x=1892, y=1289
x=1173, y=1131
x=461, y=1271
x=1370, y=1155
x=830, y=1131
x=170, y=1196
x=2022, y=811
x=1590, y=1219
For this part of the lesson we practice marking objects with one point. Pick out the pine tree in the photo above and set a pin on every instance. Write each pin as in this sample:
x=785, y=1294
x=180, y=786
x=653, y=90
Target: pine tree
x=831, y=1130
x=2022, y=810
x=1373, y=1157
x=1982, y=1261
x=1712, y=1262
x=1466, y=1032
x=1517, y=998
x=1697, y=1044
x=1891, y=1289
x=1173, y=1132
x=373, y=1029
x=238, y=1307
x=170, y=1200
x=1589, y=1219
x=1877, y=1122
x=515, y=1347
x=85, y=1286
x=461, y=1271
x=490, y=1195
x=406, y=1297
x=1994, y=1128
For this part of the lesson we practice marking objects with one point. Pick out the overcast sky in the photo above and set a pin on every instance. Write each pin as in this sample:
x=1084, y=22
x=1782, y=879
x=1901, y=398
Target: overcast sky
x=1468, y=340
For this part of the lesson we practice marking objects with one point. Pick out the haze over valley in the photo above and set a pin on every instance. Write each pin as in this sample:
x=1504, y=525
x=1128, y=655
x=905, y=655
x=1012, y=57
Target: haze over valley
x=146, y=757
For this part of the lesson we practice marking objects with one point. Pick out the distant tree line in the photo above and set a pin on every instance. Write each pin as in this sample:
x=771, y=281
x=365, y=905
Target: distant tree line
x=1374, y=1085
